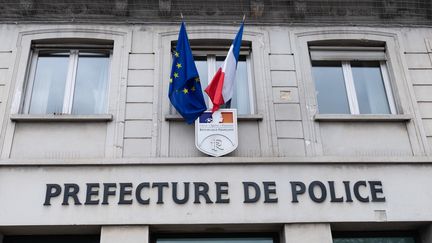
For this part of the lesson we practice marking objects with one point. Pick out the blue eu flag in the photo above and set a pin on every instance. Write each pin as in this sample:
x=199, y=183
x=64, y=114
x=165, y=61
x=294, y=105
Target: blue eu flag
x=185, y=90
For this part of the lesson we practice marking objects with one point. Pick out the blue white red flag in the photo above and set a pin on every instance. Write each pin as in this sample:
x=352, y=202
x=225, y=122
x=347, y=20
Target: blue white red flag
x=220, y=89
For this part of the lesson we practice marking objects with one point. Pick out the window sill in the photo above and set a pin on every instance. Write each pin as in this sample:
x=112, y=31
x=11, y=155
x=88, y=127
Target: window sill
x=61, y=118
x=361, y=118
x=252, y=117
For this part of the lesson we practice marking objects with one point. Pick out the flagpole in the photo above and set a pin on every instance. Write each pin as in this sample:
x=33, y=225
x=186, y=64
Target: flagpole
x=244, y=17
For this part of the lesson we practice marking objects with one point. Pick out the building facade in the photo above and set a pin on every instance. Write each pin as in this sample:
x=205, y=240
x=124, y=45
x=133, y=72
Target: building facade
x=334, y=103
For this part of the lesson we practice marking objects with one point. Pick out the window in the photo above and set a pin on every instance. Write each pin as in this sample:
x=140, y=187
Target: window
x=217, y=240
x=209, y=56
x=375, y=237
x=375, y=240
x=52, y=239
x=207, y=67
x=351, y=80
x=68, y=80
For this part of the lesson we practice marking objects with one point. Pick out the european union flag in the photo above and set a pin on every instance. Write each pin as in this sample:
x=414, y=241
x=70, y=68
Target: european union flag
x=185, y=90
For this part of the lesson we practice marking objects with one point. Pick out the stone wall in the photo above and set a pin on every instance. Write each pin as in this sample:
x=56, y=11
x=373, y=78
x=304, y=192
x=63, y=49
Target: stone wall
x=257, y=11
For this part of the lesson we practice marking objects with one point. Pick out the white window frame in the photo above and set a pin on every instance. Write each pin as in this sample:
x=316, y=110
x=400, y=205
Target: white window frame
x=348, y=54
x=70, y=78
x=212, y=69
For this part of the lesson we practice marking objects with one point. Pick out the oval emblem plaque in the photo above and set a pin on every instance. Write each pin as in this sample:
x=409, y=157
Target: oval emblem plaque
x=216, y=134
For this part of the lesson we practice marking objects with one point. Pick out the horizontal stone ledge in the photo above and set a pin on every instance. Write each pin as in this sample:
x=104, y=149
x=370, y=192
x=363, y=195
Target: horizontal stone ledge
x=362, y=118
x=225, y=161
x=61, y=118
x=252, y=117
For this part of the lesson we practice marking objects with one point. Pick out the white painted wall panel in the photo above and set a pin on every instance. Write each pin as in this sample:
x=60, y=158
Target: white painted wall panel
x=283, y=78
x=365, y=139
x=4, y=75
x=414, y=40
x=421, y=76
x=291, y=147
x=282, y=62
x=423, y=93
x=289, y=129
x=138, y=129
x=418, y=60
x=142, y=40
x=59, y=140
x=6, y=60
x=139, y=94
x=140, y=78
x=249, y=140
x=425, y=109
x=137, y=147
x=427, y=124
x=141, y=61
x=139, y=110
x=287, y=112
x=182, y=140
x=279, y=41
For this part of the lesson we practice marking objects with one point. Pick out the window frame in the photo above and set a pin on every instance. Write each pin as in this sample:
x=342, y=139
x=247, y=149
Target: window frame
x=211, y=59
x=70, y=83
x=115, y=39
x=187, y=235
x=376, y=234
x=254, y=39
x=346, y=55
x=404, y=97
x=220, y=48
x=92, y=238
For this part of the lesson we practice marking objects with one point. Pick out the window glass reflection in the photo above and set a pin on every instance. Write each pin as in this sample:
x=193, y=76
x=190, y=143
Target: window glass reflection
x=216, y=240
x=202, y=67
x=240, y=99
x=52, y=239
x=375, y=240
x=370, y=90
x=49, y=84
x=330, y=88
x=91, y=84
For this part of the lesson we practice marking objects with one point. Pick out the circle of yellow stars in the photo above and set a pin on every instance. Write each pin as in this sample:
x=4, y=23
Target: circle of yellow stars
x=176, y=75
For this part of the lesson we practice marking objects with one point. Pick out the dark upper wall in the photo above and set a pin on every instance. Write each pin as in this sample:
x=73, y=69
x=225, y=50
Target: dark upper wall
x=346, y=12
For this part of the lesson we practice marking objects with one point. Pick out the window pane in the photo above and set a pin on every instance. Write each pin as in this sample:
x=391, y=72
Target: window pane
x=216, y=240
x=91, y=84
x=49, y=84
x=240, y=99
x=330, y=88
x=201, y=65
x=370, y=88
x=375, y=240
x=52, y=239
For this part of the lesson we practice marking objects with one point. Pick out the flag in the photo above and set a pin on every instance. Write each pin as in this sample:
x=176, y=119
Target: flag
x=220, y=89
x=185, y=91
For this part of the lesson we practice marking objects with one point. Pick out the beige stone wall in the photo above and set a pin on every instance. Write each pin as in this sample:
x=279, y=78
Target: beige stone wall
x=283, y=95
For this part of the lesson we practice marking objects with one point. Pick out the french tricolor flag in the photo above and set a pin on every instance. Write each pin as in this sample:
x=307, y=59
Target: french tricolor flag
x=220, y=89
